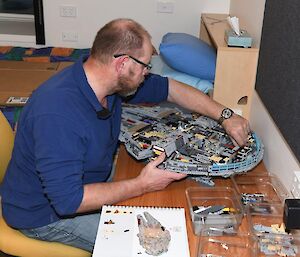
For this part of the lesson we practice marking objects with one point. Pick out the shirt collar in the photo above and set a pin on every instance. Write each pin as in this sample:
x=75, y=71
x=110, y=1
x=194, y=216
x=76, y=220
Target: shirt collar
x=85, y=87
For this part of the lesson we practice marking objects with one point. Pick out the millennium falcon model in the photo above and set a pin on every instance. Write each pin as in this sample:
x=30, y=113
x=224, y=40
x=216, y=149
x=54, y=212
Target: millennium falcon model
x=193, y=144
x=152, y=235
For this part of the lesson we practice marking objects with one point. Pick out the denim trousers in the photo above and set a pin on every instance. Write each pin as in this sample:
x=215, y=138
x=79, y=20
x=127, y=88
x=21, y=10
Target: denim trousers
x=79, y=231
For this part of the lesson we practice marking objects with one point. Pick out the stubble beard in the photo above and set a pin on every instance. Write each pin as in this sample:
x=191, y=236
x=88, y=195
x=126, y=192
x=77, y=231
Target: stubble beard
x=127, y=85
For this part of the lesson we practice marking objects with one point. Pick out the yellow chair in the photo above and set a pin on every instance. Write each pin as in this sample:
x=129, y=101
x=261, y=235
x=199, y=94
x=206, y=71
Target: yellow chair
x=12, y=241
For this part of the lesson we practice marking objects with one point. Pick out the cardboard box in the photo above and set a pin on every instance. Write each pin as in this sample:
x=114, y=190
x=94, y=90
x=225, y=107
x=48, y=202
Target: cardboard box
x=20, y=79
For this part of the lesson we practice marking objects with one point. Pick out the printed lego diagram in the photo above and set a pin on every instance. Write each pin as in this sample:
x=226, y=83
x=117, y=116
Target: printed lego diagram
x=193, y=144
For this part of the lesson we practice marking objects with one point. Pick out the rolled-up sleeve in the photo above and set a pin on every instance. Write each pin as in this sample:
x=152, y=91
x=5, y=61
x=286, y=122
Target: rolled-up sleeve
x=154, y=89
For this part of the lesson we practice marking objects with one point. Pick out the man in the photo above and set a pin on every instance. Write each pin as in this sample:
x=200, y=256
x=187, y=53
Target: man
x=68, y=132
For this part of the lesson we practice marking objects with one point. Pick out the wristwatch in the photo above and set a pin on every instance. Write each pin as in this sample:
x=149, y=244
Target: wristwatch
x=225, y=114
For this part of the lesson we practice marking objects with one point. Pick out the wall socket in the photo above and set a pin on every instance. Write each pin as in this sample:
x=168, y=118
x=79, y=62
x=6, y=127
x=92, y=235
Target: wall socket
x=295, y=188
x=68, y=11
x=165, y=7
x=70, y=36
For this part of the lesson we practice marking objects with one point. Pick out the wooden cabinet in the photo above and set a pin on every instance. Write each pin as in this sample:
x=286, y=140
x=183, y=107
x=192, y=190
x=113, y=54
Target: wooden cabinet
x=235, y=68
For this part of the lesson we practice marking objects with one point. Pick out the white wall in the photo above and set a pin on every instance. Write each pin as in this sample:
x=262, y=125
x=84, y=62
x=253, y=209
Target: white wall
x=278, y=157
x=93, y=14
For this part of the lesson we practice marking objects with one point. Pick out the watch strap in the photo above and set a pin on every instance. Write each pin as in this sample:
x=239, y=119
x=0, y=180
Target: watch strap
x=225, y=114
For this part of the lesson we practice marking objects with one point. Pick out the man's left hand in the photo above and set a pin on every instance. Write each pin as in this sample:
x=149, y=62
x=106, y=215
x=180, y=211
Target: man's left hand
x=237, y=128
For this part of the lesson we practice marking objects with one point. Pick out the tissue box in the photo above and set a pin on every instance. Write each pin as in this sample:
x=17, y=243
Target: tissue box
x=232, y=39
x=215, y=209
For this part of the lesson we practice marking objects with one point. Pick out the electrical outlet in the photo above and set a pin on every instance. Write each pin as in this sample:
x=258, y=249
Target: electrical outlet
x=70, y=36
x=68, y=11
x=295, y=190
x=165, y=7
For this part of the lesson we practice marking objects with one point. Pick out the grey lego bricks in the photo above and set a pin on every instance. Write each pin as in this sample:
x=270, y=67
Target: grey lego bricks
x=195, y=145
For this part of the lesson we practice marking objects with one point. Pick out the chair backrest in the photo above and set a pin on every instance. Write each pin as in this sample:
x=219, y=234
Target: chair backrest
x=6, y=144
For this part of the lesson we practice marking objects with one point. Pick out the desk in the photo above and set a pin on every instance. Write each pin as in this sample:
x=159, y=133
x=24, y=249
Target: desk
x=172, y=196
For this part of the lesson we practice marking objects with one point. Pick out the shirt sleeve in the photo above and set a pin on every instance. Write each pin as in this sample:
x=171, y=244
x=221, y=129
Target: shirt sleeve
x=59, y=150
x=154, y=89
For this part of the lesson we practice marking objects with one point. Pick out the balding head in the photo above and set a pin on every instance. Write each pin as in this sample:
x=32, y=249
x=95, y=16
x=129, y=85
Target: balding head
x=119, y=36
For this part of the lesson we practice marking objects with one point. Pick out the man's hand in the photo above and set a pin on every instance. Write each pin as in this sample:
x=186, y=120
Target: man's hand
x=195, y=100
x=237, y=128
x=153, y=178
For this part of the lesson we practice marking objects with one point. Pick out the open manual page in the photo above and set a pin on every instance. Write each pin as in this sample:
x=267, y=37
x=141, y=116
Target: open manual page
x=126, y=231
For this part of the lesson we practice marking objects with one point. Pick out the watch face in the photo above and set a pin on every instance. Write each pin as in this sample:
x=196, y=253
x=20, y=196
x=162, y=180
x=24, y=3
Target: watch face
x=226, y=113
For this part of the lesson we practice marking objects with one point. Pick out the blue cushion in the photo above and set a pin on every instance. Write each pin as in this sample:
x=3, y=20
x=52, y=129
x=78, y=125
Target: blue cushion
x=188, y=54
x=161, y=68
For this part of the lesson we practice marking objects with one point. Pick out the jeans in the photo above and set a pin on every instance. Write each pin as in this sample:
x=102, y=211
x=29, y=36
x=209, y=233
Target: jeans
x=79, y=231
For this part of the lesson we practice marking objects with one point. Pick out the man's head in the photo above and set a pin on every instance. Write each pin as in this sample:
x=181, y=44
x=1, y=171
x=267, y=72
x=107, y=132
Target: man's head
x=128, y=45
x=119, y=36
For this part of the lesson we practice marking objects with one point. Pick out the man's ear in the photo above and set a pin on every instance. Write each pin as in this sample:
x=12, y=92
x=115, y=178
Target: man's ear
x=120, y=63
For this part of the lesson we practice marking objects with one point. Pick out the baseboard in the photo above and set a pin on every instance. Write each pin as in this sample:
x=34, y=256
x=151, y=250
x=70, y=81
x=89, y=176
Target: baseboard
x=278, y=157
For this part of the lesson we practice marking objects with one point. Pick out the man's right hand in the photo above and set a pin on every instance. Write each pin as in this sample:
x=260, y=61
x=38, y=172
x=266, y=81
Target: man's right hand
x=154, y=179
x=150, y=179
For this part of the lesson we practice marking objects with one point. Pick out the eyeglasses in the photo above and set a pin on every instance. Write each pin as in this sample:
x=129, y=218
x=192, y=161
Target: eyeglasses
x=147, y=66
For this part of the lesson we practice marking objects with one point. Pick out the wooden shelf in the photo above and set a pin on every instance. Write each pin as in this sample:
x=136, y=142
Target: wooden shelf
x=235, y=68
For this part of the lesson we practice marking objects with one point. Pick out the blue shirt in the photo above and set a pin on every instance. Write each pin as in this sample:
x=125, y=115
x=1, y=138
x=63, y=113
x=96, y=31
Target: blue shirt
x=61, y=145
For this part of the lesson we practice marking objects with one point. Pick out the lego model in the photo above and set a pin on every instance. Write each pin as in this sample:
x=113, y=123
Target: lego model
x=193, y=144
x=153, y=237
